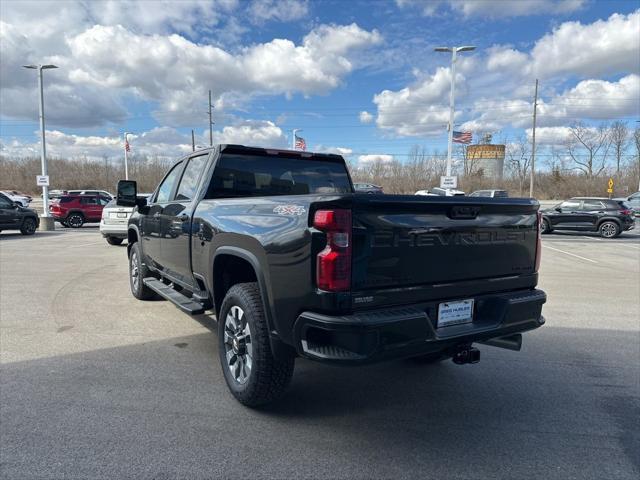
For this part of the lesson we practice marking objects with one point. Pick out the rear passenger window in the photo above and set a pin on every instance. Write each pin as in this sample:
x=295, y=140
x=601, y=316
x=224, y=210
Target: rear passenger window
x=190, y=177
x=89, y=201
x=166, y=187
x=590, y=205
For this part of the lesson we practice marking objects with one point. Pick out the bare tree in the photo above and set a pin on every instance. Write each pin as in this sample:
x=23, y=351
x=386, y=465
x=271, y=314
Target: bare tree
x=519, y=160
x=619, y=133
x=588, y=148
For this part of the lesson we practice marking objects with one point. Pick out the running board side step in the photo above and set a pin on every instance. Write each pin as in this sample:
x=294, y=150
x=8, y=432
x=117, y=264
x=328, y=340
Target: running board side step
x=181, y=301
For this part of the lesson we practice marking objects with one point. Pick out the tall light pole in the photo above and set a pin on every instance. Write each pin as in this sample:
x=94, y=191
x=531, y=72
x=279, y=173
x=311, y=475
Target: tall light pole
x=47, y=222
x=454, y=57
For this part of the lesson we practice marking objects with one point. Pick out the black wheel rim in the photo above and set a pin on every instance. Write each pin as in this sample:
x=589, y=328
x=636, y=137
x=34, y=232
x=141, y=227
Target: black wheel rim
x=29, y=226
x=75, y=221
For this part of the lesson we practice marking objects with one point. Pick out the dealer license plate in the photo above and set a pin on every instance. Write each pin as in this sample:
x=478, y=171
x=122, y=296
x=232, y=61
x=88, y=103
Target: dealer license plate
x=455, y=313
x=122, y=214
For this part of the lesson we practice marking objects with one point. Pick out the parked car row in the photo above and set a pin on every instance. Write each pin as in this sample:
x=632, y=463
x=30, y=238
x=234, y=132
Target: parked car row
x=15, y=196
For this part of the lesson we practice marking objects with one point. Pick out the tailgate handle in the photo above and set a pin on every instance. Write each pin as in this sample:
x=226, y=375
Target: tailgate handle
x=464, y=212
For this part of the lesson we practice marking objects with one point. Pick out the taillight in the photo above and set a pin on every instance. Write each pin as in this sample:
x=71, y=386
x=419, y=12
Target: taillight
x=539, y=243
x=626, y=212
x=333, y=264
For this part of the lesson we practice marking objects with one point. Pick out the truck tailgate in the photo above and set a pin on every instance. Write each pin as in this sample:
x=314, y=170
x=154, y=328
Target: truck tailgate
x=404, y=241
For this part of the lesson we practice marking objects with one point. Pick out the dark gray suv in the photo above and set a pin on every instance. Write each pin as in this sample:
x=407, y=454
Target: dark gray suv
x=608, y=217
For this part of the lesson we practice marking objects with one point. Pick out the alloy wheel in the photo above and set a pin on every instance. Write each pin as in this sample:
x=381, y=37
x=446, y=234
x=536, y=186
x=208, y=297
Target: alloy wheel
x=608, y=230
x=237, y=345
x=135, y=271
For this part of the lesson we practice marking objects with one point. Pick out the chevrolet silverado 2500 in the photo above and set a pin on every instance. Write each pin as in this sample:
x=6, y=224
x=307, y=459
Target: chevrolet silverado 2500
x=295, y=264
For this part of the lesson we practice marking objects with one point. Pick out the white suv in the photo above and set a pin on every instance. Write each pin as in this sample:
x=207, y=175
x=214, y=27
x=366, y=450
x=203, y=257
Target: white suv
x=114, y=222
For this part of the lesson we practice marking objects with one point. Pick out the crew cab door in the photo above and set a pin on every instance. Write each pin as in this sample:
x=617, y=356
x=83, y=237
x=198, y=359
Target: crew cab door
x=150, y=224
x=176, y=225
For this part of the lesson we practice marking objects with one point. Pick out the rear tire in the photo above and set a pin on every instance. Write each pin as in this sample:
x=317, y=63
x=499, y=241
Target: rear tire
x=609, y=229
x=545, y=228
x=75, y=220
x=253, y=374
x=114, y=240
x=28, y=226
x=138, y=270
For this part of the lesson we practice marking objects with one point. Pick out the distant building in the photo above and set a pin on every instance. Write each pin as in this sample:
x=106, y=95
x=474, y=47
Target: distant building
x=486, y=158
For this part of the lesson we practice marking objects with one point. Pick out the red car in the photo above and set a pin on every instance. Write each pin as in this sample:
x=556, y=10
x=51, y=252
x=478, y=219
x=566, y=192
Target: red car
x=76, y=210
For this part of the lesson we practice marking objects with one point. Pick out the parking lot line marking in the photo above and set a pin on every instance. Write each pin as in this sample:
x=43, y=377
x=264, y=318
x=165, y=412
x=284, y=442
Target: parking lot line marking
x=592, y=238
x=572, y=254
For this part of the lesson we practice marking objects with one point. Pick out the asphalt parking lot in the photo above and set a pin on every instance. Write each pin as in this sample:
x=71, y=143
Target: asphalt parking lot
x=96, y=384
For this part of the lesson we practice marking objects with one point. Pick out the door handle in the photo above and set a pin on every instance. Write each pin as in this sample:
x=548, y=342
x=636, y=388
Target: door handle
x=184, y=217
x=156, y=215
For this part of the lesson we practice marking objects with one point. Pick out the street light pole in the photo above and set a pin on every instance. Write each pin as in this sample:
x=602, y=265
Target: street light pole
x=47, y=222
x=454, y=57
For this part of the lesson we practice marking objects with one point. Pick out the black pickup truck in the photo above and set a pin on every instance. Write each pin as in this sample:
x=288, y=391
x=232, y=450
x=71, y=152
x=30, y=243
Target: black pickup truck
x=295, y=264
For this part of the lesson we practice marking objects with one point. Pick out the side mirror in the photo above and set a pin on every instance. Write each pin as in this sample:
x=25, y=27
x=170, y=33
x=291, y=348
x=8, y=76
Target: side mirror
x=127, y=193
x=16, y=204
x=558, y=209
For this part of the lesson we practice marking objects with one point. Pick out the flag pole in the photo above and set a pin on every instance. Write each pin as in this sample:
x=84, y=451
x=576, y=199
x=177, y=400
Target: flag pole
x=293, y=137
x=126, y=157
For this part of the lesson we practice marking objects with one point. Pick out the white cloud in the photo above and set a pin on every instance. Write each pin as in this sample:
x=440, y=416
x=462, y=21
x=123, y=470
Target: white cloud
x=365, y=117
x=502, y=87
x=496, y=8
x=256, y=133
x=550, y=135
x=603, y=47
x=588, y=100
x=176, y=73
x=418, y=109
x=344, y=151
x=375, y=158
x=281, y=10
x=163, y=142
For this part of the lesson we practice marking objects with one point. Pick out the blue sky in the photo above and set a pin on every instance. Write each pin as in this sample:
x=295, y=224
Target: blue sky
x=275, y=65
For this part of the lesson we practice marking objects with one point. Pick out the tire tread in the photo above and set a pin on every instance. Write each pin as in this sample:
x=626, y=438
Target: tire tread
x=273, y=375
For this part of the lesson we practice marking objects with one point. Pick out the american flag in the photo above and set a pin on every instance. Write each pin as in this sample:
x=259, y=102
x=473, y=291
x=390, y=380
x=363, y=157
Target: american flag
x=462, y=137
x=126, y=145
x=300, y=143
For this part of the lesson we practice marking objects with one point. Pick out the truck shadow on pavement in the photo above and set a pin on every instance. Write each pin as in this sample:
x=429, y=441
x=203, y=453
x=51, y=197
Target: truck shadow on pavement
x=161, y=409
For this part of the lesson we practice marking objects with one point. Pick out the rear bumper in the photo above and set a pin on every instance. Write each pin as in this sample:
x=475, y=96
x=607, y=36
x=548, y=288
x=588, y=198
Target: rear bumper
x=407, y=331
x=117, y=230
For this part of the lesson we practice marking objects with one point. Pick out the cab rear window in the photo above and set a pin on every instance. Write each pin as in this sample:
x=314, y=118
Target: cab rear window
x=259, y=176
